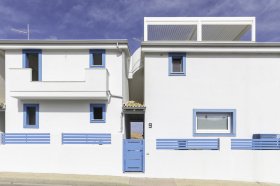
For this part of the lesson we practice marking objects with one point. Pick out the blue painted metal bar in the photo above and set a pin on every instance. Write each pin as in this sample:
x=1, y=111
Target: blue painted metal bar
x=188, y=144
x=86, y=138
x=256, y=144
x=25, y=138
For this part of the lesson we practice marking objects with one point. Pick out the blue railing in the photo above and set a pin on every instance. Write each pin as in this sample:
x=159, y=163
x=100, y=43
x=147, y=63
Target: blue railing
x=86, y=138
x=256, y=144
x=25, y=138
x=188, y=144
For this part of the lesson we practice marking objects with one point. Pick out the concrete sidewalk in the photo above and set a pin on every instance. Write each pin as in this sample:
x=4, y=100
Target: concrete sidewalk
x=32, y=179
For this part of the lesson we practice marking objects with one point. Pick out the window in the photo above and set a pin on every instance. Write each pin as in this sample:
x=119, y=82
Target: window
x=97, y=58
x=31, y=115
x=214, y=122
x=177, y=64
x=33, y=59
x=97, y=113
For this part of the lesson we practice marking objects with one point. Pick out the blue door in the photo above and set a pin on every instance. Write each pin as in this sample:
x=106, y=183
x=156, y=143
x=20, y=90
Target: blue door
x=133, y=155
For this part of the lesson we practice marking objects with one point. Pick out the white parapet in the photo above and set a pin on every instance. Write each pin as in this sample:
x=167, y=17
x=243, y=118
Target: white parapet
x=198, y=28
x=95, y=86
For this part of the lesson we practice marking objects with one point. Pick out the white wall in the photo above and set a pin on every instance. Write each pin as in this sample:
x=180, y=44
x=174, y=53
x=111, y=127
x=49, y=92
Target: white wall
x=57, y=116
x=248, y=83
x=2, y=78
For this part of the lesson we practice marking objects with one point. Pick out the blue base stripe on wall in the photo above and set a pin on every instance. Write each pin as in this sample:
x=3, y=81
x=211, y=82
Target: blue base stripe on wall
x=188, y=144
x=26, y=138
x=86, y=138
x=255, y=144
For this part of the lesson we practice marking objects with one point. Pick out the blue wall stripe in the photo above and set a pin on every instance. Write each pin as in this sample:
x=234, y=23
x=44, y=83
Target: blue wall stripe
x=25, y=138
x=255, y=144
x=86, y=138
x=188, y=144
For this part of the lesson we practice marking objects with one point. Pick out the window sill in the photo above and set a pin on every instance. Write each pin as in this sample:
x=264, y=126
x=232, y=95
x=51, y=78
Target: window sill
x=214, y=135
x=97, y=66
x=30, y=127
x=177, y=74
x=97, y=121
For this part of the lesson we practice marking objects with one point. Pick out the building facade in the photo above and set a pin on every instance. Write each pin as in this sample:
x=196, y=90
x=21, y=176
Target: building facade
x=197, y=100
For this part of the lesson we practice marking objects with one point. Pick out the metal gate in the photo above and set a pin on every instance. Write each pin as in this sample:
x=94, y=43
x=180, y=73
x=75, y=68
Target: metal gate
x=133, y=155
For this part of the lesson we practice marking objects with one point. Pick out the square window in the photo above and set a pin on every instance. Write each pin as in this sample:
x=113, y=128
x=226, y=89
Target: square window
x=31, y=115
x=214, y=122
x=97, y=58
x=177, y=64
x=97, y=113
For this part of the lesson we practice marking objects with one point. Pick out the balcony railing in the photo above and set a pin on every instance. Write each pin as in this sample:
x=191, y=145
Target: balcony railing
x=95, y=86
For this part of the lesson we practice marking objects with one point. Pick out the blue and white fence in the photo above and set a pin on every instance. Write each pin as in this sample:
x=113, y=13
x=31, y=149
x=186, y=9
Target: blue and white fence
x=25, y=138
x=188, y=144
x=256, y=144
x=86, y=138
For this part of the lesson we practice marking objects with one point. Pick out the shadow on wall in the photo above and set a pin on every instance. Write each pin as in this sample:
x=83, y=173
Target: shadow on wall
x=136, y=87
x=61, y=106
x=2, y=121
x=2, y=78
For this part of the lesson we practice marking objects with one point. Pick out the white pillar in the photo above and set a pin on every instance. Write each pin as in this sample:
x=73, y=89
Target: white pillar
x=253, y=31
x=199, y=31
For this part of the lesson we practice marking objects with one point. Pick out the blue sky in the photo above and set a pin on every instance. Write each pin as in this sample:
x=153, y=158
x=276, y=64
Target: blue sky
x=123, y=19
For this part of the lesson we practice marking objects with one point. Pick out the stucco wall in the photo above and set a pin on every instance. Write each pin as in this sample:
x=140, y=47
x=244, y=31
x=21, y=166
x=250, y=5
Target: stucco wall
x=248, y=83
x=2, y=78
x=58, y=116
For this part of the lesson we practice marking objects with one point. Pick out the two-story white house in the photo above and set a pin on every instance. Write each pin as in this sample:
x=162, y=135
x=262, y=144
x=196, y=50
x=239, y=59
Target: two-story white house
x=197, y=100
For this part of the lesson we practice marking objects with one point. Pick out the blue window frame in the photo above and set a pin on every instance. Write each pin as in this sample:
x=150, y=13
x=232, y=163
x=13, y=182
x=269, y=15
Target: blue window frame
x=177, y=64
x=32, y=58
x=97, y=113
x=97, y=58
x=214, y=122
x=31, y=116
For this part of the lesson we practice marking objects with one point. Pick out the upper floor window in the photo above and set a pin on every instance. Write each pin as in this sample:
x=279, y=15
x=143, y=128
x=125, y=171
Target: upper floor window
x=97, y=113
x=97, y=58
x=31, y=115
x=177, y=64
x=214, y=122
x=33, y=59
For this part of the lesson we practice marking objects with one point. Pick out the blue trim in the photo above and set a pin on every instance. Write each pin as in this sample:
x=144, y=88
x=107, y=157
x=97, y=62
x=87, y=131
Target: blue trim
x=92, y=120
x=25, y=116
x=25, y=61
x=233, y=122
x=188, y=144
x=26, y=138
x=86, y=138
x=255, y=144
x=170, y=59
x=91, y=59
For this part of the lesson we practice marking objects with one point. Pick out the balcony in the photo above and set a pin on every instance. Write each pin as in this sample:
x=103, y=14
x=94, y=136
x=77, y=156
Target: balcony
x=95, y=86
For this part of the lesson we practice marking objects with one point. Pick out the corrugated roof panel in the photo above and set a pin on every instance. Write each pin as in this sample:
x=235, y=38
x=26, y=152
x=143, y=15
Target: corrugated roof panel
x=223, y=32
x=171, y=32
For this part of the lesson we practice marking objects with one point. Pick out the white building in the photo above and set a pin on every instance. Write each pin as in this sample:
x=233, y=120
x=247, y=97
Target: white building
x=208, y=95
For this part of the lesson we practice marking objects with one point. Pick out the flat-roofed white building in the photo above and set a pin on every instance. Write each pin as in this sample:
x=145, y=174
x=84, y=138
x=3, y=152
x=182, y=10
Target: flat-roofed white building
x=197, y=100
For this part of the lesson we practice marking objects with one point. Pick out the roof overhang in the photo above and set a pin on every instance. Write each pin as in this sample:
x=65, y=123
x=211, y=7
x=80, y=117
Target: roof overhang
x=211, y=47
x=119, y=44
